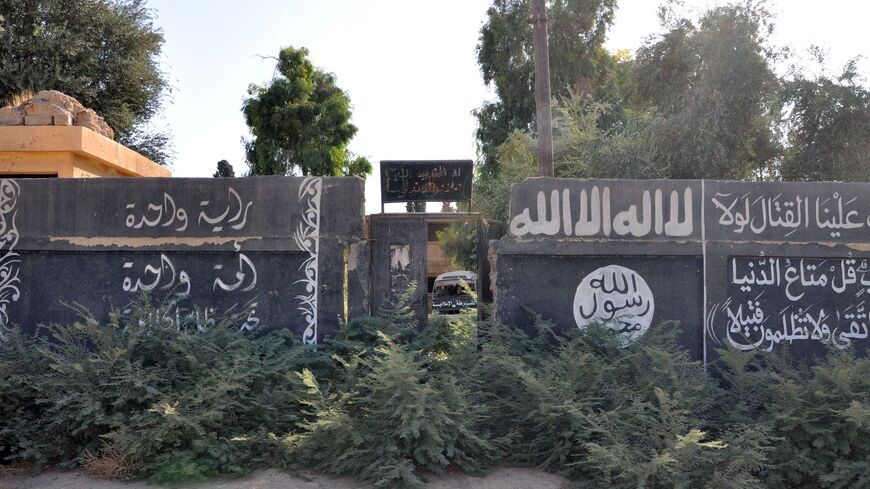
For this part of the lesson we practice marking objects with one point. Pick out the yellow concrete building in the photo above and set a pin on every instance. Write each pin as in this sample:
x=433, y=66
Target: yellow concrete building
x=69, y=152
x=52, y=135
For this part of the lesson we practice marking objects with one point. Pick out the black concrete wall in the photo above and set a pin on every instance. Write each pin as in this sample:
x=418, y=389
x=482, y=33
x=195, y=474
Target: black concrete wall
x=547, y=285
x=487, y=231
x=359, y=279
x=399, y=256
x=788, y=266
x=267, y=250
x=743, y=265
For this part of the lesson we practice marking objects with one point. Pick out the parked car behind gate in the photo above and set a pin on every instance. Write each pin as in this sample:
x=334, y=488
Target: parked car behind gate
x=450, y=295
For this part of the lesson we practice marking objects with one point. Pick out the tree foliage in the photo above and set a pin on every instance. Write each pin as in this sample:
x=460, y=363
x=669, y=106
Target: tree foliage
x=577, y=30
x=459, y=243
x=828, y=127
x=700, y=100
x=713, y=84
x=517, y=161
x=224, y=170
x=583, y=149
x=300, y=122
x=104, y=53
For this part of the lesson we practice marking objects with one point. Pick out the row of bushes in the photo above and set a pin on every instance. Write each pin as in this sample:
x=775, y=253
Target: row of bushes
x=388, y=404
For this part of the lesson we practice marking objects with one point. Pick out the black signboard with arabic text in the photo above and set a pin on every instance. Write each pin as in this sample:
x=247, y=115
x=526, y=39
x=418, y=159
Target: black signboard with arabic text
x=426, y=181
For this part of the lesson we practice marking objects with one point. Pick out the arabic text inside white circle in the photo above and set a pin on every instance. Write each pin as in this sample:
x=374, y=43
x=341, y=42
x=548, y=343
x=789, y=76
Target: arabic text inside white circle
x=616, y=297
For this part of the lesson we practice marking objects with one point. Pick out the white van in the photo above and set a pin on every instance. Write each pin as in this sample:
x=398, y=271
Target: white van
x=449, y=295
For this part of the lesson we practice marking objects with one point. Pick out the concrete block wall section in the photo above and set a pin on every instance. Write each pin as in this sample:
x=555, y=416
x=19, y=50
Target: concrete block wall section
x=743, y=265
x=269, y=251
x=398, y=260
x=740, y=265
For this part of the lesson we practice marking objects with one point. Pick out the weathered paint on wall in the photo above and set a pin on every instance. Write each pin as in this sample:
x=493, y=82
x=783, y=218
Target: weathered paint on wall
x=401, y=253
x=398, y=258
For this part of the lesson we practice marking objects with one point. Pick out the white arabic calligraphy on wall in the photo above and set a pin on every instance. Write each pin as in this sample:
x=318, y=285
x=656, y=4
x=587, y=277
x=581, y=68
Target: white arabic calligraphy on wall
x=307, y=237
x=751, y=214
x=777, y=300
x=164, y=275
x=555, y=216
x=167, y=214
x=242, y=275
x=10, y=260
x=616, y=297
x=172, y=314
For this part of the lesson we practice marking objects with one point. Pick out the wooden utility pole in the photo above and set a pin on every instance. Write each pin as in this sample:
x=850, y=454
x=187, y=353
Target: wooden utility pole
x=542, y=89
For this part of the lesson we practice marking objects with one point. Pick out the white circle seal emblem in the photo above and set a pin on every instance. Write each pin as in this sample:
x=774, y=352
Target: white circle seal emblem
x=615, y=297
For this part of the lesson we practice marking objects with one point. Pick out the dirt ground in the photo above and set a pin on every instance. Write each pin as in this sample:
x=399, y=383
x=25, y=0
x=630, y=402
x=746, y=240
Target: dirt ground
x=503, y=478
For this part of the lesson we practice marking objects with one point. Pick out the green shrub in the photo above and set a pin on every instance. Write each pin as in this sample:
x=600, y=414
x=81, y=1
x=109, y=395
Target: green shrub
x=22, y=436
x=403, y=410
x=818, y=416
x=582, y=405
x=397, y=419
x=153, y=391
x=387, y=402
x=177, y=471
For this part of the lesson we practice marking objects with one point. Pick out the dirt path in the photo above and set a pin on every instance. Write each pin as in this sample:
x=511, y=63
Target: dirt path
x=503, y=478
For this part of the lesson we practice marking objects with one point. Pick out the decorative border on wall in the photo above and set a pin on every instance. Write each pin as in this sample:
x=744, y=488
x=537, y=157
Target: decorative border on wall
x=9, y=258
x=307, y=237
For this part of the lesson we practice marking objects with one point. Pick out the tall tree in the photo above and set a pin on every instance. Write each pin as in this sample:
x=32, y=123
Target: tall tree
x=713, y=84
x=105, y=53
x=577, y=30
x=224, y=170
x=300, y=121
x=828, y=127
x=700, y=100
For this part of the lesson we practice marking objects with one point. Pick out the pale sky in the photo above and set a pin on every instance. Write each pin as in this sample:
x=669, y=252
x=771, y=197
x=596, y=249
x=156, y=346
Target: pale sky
x=409, y=66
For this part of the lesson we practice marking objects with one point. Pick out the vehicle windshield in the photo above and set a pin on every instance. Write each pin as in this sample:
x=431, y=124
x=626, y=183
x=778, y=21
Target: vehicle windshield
x=451, y=289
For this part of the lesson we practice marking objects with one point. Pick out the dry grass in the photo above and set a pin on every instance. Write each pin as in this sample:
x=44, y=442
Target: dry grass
x=17, y=98
x=110, y=464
